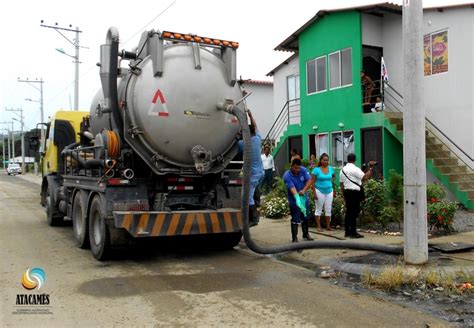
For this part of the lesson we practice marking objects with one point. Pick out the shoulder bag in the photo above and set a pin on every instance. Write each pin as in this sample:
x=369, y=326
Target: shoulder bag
x=361, y=192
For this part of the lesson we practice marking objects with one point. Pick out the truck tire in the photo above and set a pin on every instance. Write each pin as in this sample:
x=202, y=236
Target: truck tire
x=80, y=224
x=52, y=214
x=99, y=235
x=223, y=241
x=231, y=240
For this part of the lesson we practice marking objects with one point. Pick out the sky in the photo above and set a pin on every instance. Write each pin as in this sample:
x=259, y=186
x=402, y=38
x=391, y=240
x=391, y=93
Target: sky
x=28, y=50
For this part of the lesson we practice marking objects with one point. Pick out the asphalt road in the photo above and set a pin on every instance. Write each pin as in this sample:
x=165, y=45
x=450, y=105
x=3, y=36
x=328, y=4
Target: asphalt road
x=158, y=285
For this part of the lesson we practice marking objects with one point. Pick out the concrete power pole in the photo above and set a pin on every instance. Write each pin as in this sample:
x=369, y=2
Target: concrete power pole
x=414, y=153
x=40, y=89
x=76, y=45
x=3, y=150
x=8, y=139
x=21, y=121
x=76, y=70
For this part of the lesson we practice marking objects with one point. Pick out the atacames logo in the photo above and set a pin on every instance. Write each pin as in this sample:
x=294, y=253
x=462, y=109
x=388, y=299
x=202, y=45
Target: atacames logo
x=33, y=278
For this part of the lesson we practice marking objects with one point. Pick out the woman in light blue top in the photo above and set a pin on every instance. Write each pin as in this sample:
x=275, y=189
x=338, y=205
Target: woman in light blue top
x=323, y=188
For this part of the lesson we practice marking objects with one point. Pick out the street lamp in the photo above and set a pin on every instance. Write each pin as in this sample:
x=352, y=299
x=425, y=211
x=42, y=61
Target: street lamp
x=75, y=43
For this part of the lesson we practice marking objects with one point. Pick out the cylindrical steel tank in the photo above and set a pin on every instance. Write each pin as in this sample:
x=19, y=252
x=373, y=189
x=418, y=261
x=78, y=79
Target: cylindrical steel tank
x=177, y=111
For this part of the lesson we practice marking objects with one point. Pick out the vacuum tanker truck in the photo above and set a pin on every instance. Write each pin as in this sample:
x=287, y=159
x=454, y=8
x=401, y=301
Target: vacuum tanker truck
x=154, y=157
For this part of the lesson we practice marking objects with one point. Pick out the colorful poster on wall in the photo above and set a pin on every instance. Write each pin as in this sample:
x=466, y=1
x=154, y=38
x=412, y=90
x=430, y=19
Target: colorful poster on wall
x=439, y=52
x=427, y=54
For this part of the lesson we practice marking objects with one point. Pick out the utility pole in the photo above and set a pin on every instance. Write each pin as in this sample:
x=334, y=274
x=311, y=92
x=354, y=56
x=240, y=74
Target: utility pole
x=40, y=89
x=3, y=149
x=8, y=140
x=75, y=43
x=414, y=153
x=8, y=136
x=15, y=111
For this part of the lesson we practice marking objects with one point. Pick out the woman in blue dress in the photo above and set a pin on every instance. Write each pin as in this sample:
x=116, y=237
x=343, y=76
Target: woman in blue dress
x=324, y=178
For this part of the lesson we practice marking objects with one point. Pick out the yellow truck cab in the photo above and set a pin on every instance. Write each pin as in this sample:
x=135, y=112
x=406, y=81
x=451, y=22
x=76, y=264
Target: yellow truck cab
x=62, y=130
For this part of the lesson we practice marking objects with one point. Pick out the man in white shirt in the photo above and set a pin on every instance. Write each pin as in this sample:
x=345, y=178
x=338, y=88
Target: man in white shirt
x=269, y=168
x=351, y=180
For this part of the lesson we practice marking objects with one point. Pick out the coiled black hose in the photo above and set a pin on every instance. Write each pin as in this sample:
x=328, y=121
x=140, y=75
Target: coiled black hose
x=242, y=117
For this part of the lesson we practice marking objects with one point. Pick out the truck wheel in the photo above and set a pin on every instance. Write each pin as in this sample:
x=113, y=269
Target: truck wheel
x=79, y=221
x=224, y=241
x=99, y=234
x=231, y=240
x=53, y=217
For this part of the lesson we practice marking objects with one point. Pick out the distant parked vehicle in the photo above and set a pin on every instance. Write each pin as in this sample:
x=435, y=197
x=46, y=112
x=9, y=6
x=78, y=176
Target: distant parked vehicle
x=13, y=169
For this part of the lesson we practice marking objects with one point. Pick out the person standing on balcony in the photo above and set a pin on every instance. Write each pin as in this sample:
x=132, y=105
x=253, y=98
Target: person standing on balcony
x=269, y=168
x=368, y=86
x=351, y=181
x=324, y=178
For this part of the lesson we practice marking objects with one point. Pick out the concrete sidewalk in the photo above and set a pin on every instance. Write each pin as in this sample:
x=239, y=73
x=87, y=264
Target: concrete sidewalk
x=36, y=179
x=277, y=232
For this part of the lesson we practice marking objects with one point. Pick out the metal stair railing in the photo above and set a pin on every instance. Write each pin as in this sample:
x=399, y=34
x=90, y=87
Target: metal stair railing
x=286, y=116
x=393, y=102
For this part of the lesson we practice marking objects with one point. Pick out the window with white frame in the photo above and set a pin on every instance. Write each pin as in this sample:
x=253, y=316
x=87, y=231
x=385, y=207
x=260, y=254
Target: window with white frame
x=322, y=144
x=316, y=75
x=340, y=68
x=293, y=87
x=342, y=145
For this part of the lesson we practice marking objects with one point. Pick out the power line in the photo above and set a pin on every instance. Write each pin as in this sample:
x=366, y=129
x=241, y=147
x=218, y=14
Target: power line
x=130, y=38
x=155, y=18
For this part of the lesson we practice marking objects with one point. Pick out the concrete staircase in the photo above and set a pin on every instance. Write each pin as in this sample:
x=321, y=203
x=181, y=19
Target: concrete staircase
x=442, y=162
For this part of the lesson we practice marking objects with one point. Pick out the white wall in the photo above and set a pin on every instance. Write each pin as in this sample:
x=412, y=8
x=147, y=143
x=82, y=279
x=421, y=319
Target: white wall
x=280, y=93
x=448, y=97
x=260, y=102
x=392, y=43
x=372, y=30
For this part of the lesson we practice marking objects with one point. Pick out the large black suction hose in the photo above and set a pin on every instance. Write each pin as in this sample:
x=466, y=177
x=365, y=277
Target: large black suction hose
x=108, y=75
x=242, y=117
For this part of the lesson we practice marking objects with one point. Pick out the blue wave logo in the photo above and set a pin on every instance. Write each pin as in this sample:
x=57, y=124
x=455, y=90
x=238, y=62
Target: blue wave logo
x=33, y=278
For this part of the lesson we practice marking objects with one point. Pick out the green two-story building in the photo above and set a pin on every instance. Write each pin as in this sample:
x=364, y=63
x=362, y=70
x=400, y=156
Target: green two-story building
x=330, y=110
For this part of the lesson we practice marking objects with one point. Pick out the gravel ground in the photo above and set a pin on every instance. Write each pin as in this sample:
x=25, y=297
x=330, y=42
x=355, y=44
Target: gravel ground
x=463, y=221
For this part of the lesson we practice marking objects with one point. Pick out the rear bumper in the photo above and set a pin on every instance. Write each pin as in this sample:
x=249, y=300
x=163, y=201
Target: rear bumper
x=153, y=224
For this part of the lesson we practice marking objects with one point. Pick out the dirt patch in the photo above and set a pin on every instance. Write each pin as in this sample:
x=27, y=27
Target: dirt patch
x=457, y=308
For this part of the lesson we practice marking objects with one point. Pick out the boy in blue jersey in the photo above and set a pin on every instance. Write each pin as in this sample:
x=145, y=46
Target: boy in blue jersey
x=298, y=180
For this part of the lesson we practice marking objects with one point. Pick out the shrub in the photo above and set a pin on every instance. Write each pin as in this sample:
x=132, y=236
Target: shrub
x=440, y=215
x=394, y=192
x=434, y=193
x=374, y=200
x=275, y=207
x=275, y=204
x=395, y=189
x=388, y=214
x=338, y=209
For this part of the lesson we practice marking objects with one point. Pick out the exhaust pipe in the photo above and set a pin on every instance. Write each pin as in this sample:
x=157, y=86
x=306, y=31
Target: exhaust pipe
x=109, y=163
x=128, y=174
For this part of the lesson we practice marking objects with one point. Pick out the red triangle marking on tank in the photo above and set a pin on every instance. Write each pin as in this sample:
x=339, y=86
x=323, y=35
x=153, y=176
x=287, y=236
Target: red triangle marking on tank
x=158, y=94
